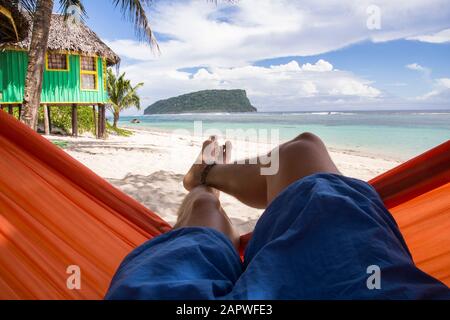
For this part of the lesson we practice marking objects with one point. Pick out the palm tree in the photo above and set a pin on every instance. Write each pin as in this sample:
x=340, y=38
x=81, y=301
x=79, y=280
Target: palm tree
x=122, y=95
x=41, y=12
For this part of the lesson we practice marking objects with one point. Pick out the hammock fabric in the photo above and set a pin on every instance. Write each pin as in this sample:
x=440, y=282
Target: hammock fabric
x=55, y=212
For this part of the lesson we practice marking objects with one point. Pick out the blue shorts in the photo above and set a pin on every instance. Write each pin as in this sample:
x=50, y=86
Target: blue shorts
x=325, y=237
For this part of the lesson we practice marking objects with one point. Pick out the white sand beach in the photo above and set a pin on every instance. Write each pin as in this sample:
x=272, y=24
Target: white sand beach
x=149, y=166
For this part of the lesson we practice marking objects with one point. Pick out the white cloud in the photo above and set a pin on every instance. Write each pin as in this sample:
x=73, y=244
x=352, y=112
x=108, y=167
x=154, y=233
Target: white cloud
x=284, y=86
x=226, y=39
x=440, y=92
x=439, y=37
x=202, y=33
x=426, y=72
x=320, y=66
x=416, y=67
x=444, y=82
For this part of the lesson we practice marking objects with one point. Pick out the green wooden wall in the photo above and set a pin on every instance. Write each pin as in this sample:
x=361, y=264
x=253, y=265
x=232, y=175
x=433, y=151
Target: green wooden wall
x=58, y=86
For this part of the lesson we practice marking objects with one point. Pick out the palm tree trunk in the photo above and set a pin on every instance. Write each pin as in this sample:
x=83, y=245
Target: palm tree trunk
x=36, y=62
x=116, y=119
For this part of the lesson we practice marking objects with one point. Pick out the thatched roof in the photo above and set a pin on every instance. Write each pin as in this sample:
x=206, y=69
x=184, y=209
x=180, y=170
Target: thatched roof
x=13, y=24
x=70, y=37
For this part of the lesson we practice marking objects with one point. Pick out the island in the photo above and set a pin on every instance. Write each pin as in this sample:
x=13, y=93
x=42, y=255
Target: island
x=206, y=101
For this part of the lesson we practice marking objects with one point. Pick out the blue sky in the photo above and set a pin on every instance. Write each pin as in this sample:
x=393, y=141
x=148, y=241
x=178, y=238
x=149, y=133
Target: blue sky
x=290, y=55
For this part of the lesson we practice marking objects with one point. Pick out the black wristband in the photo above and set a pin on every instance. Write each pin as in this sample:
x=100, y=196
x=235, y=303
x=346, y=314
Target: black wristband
x=205, y=173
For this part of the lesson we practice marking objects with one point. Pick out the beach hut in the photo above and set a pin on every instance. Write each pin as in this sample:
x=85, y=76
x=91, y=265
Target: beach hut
x=75, y=66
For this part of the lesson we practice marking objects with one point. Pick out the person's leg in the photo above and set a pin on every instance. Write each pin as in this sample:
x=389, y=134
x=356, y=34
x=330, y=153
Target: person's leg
x=201, y=208
x=196, y=260
x=322, y=237
x=303, y=156
x=327, y=236
x=298, y=158
x=243, y=181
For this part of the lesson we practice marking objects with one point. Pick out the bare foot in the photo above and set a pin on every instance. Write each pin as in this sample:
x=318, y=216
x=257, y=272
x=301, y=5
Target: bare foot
x=211, y=153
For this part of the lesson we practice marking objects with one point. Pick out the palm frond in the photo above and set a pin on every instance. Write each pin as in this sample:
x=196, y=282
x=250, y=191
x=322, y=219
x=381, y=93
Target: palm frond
x=122, y=94
x=132, y=98
x=134, y=11
x=28, y=5
x=66, y=4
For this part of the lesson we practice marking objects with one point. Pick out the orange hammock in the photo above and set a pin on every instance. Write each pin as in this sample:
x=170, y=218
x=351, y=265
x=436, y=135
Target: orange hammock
x=55, y=212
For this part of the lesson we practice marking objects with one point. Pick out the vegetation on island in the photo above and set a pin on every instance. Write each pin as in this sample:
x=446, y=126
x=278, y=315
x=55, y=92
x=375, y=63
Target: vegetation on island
x=205, y=101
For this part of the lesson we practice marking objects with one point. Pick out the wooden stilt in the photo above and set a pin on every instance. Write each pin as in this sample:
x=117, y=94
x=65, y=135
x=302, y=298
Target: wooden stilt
x=94, y=113
x=49, y=116
x=1, y=107
x=10, y=110
x=20, y=111
x=74, y=121
x=46, y=122
x=101, y=120
x=104, y=121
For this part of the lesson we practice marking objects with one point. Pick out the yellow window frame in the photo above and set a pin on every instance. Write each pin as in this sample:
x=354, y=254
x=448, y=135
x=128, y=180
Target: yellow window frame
x=95, y=73
x=57, y=70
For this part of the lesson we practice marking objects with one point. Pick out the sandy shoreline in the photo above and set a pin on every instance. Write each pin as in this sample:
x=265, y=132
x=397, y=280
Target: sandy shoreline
x=149, y=166
x=367, y=154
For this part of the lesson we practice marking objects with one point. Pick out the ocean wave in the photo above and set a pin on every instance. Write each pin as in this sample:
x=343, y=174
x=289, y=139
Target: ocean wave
x=322, y=113
x=429, y=113
x=199, y=114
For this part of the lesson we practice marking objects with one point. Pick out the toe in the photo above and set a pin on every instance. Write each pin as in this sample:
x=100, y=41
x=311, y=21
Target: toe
x=227, y=152
x=207, y=151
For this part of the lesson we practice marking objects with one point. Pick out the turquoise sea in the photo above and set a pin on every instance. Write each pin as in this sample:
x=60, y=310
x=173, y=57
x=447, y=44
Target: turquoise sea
x=390, y=134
